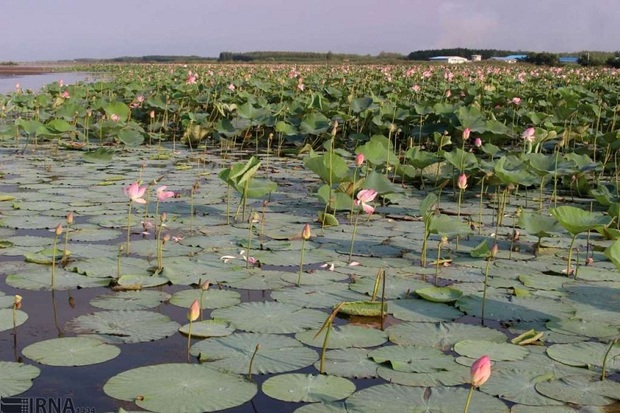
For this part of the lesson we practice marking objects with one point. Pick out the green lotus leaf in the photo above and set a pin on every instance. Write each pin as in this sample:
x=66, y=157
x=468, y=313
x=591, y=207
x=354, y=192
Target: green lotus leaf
x=344, y=336
x=580, y=390
x=270, y=317
x=307, y=388
x=351, y=362
x=208, y=328
x=441, y=335
x=439, y=294
x=203, y=389
x=6, y=317
x=130, y=300
x=363, y=308
x=16, y=378
x=413, y=359
x=211, y=298
x=71, y=351
x=496, y=351
x=576, y=220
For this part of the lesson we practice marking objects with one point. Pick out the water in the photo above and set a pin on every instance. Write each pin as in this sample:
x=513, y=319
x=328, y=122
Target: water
x=36, y=82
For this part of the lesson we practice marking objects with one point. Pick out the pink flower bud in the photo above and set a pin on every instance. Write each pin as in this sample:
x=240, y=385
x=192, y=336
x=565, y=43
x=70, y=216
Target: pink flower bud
x=477, y=142
x=305, y=233
x=359, y=159
x=194, y=311
x=466, y=133
x=480, y=371
x=462, y=181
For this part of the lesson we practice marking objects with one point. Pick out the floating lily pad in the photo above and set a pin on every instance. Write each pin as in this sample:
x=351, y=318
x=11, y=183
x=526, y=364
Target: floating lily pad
x=323, y=407
x=208, y=328
x=351, y=362
x=317, y=296
x=71, y=351
x=441, y=335
x=363, y=308
x=439, y=294
x=308, y=388
x=125, y=326
x=130, y=300
x=580, y=390
x=423, y=311
x=212, y=298
x=457, y=375
x=157, y=388
x=496, y=351
x=395, y=398
x=16, y=378
x=6, y=318
x=277, y=354
x=344, y=336
x=41, y=279
x=585, y=354
x=519, y=386
x=413, y=359
x=270, y=317
x=141, y=281
x=588, y=328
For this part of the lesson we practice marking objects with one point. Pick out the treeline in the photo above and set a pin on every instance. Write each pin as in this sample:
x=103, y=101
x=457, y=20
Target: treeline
x=306, y=57
x=462, y=52
x=161, y=59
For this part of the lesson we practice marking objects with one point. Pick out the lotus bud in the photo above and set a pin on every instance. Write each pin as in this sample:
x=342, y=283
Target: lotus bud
x=205, y=285
x=165, y=239
x=305, y=233
x=152, y=114
x=71, y=302
x=466, y=133
x=480, y=371
x=70, y=218
x=494, y=250
x=58, y=230
x=17, y=301
x=477, y=142
x=164, y=216
x=194, y=311
x=359, y=159
x=462, y=182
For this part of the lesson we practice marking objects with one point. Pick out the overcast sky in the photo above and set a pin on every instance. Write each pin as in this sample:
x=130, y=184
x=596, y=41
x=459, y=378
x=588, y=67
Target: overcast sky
x=67, y=29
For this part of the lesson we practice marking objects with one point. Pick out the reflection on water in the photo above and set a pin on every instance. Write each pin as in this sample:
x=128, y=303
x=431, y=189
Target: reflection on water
x=36, y=82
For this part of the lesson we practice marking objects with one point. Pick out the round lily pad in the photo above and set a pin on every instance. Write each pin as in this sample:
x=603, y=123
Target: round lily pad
x=6, y=318
x=208, y=328
x=344, y=336
x=415, y=309
x=308, y=388
x=188, y=388
x=125, y=326
x=130, y=300
x=270, y=317
x=413, y=359
x=16, y=378
x=276, y=354
x=212, y=298
x=496, y=351
x=71, y=351
x=580, y=390
x=439, y=294
x=585, y=354
x=519, y=386
x=351, y=362
x=441, y=335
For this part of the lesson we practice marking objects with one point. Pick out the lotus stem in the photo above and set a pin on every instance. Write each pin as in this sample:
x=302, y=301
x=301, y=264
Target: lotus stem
x=128, y=229
x=301, y=261
x=327, y=324
x=383, y=301
x=570, y=256
x=353, y=238
x=471, y=392
x=484, y=290
x=57, y=234
x=252, y=362
x=611, y=345
x=189, y=338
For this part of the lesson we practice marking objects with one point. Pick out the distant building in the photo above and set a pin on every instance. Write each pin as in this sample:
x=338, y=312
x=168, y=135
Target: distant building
x=476, y=57
x=449, y=59
x=569, y=59
x=504, y=59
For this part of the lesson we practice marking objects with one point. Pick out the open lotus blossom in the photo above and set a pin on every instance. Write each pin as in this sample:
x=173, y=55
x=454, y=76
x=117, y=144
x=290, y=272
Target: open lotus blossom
x=135, y=192
x=364, y=197
x=231, y=87
x=65, y=94
x=516, y=100
x=480, y=371
x=191, y=78
x=162, y=194
x=529, y=135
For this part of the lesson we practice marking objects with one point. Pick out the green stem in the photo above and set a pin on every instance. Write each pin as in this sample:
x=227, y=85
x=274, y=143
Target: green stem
x=471, y=392
x=484, y=290
x=301, y=262
x=570, y=255
x=353, y=238
x=611, y=345
x=252, y=362
x=189, y=339
x=54, y=259
x=128, y=229
x=322, y=364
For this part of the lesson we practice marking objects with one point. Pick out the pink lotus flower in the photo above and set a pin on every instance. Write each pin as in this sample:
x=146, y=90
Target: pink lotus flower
x=359, y=159
x=194, y=311
x=231, y=87
x=416, y=88
x=191, y=78
x=135, y=193
x=462, y=182
x=114, y=117
x=477, y=142
x=466, y=133
x=480, y=371
x=364, y=197
x=529, y=135
x=162, y=194
x=65, y=94
x=516, y=100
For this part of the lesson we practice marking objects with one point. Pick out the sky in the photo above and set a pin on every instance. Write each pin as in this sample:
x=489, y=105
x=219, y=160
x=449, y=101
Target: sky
x=35, y=30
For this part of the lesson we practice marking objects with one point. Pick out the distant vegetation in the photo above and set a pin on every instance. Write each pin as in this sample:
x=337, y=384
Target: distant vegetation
x=8, y=63
x=307, y=57
x=462, y=52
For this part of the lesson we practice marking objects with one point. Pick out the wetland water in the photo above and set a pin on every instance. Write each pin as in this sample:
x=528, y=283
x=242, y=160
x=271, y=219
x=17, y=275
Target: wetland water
x=35, y=82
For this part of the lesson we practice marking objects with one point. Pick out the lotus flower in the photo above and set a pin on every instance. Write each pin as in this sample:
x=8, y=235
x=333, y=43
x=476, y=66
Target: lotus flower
x=135, y=192
x=480, y=371
x=528, y=135
x=162, y=194
x=364, y=197
x=462, y=182
x=194, y=311
x=466, y=133
x=359, y=159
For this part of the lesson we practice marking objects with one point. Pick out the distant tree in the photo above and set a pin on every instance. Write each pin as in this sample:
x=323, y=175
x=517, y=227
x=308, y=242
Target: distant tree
x=544, y=58
x=614, y=61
